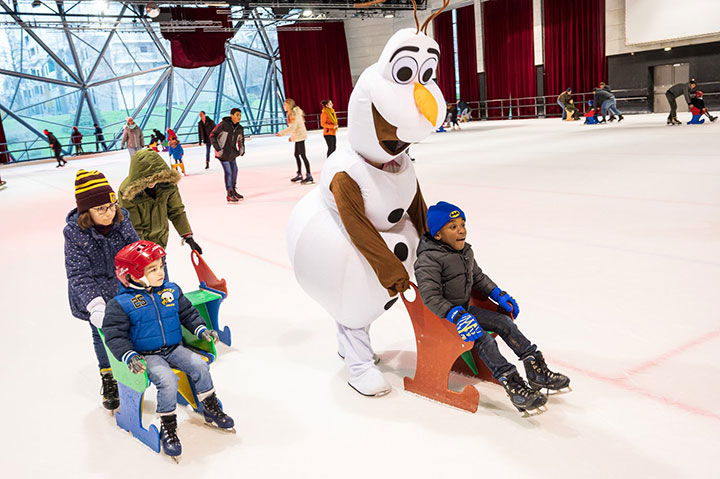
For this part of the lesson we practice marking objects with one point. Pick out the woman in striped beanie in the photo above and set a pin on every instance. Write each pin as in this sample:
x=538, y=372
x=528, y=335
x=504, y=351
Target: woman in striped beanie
x=96, y=230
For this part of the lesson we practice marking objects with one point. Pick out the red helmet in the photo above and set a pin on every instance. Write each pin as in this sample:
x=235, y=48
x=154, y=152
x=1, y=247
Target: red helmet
x=698, y=94
x=134, y=258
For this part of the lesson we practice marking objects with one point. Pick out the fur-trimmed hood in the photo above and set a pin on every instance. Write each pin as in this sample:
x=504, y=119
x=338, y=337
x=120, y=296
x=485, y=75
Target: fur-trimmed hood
x=146, y=167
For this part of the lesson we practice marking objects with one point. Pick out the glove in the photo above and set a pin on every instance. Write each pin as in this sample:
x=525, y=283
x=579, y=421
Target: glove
x=465, y=323
x=96, y=308
x=189, y=240
x=210, y=335
x=505, y=301
x=136, y=364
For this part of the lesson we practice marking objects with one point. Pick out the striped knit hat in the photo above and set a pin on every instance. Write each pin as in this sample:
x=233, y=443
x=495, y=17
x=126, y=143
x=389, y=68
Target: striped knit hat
x=92, y=189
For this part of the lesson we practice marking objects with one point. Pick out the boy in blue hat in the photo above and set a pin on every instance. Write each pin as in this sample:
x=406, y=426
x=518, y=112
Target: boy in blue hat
x=446, y=273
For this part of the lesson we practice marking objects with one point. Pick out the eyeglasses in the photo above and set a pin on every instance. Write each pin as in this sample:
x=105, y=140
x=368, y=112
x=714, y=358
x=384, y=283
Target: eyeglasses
x=101, y=210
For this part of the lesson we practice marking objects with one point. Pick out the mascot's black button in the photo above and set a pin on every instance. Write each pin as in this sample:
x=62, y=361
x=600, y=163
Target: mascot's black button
x=395, y=215
x=389, y=304
x=401, y=251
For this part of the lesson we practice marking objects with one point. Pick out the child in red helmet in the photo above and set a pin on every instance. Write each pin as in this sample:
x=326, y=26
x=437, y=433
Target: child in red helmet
x=142, y=328
x=698, y=109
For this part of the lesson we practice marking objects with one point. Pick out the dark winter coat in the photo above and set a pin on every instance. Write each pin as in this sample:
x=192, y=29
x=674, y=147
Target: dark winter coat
x=54, y=143
x=76, y=137
x=446, y=276
x=565, y=98
x=602, y=95
x=680, y=89
x=228, y=139
x=204, y=130
x=150, y=215
x=90, y=261
x=99, y=134
x=142, y=321
x=698, y=103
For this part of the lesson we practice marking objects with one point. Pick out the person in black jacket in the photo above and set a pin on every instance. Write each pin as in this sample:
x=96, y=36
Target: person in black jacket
x=675, y=91
x=228, y=139
x=56, y=148
x=99, y=138
x=205, y=126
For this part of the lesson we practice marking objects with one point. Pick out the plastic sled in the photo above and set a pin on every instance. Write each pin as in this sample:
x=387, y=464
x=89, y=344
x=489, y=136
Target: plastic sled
x=205, y=274
x=207, y=301
x=439, y=351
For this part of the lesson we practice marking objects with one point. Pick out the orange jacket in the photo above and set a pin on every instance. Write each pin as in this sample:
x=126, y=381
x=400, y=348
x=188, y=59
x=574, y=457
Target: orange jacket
x=328, y=127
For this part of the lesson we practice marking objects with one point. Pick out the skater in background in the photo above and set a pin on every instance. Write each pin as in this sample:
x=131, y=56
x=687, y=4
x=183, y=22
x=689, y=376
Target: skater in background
x=132, y=137
x=606, y=101
x=95, y=231
x=446, y=273
x=567, y=104
x=56, y=148
x=698, y=104
x=99, y=138
x=153, y=145
x=171, y=134
x=298, y=135
x=159, y=136
x=329, y=123
x=142, y=323
x=205, y=126
x=463, y=111
x=679, y=89
x=76, y=140
x=175, y=150
x=591, y=115
x=228, y=139
x=151, y=196
x=452, y=116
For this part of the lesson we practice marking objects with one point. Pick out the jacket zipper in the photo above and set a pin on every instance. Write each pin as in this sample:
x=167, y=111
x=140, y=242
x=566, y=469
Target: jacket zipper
x=162, y=330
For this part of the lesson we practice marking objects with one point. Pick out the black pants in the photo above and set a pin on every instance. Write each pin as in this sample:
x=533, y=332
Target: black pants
x=58, y=155
x=331, y=141
x=300, y=153
x=673, y=105
x=100, y=139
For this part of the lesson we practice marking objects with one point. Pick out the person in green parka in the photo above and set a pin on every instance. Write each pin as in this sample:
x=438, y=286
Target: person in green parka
x=151, y=196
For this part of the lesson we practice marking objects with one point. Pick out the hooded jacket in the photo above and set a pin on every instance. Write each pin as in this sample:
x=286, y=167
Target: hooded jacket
x=90, y=261
x=204, y=130
x=296, y=125
x=228, y=139
x=446, y=276
x=132, y=137
x=150, y=215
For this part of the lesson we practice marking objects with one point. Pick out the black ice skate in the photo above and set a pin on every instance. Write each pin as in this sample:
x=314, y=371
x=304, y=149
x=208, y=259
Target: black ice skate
x=213, y=413
x=237, y=195
x=111, y=400
x=620, y=118
x=297, y=178
x=169, y=441
x=207, y=165
x=308, y=180
x=524, y=398
x=539, y=376
x=230, y=197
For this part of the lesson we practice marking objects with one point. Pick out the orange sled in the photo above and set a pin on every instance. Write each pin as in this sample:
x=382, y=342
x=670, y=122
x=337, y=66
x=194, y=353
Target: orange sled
x=205, y=274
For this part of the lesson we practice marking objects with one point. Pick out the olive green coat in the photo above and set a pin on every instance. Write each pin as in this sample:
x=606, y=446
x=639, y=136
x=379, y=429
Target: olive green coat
x=150, y=216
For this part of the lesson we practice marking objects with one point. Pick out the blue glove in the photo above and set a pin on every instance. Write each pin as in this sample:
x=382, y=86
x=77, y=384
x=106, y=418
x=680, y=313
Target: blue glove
x=465, y=323
x=505, y=301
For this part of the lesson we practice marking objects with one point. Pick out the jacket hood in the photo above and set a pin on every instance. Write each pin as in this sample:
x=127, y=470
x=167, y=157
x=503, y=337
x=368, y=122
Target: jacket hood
x=428, y=243
x=146, y=167
x=131, y=127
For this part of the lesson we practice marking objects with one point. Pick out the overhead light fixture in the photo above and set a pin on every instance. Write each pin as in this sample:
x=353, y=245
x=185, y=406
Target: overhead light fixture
x=667, y=49
x=306, y=13
x=152, y=10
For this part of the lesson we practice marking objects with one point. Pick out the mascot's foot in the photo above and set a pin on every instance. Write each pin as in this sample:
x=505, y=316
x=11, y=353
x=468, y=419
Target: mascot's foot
x=370, y=383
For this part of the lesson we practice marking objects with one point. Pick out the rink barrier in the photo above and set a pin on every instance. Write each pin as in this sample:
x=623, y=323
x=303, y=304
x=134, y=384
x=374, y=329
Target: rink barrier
x=440, y=350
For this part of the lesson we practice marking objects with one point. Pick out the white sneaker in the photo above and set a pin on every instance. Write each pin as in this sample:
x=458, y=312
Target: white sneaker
x=370, y=383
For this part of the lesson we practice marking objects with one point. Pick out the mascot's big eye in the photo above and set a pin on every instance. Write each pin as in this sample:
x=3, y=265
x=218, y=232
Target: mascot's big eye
x=427, y=70
x=404, y=69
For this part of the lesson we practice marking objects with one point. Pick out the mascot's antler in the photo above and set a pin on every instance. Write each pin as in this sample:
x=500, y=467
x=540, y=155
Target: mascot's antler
x=426, y=23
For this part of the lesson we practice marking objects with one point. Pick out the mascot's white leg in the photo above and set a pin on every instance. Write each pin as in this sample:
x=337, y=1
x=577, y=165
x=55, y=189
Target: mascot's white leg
x=363, y=376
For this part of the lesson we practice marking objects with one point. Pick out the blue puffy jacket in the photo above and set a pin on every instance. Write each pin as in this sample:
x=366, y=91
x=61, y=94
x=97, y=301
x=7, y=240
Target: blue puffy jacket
x=137, y=320
x=90, y=261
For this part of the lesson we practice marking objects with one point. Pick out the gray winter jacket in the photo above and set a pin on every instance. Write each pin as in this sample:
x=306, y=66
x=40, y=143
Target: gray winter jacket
x=132, y=137
x=228, y=139
x=602, y=95
x=680, y=89
x=446, y=276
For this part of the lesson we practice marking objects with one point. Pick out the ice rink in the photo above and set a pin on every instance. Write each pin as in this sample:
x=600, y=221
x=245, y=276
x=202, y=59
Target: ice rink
x=607, y=236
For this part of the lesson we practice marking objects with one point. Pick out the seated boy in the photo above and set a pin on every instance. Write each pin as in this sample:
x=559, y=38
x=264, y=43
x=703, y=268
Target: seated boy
x=446, y=273
x=698, y=109
x=591, y=117
x=143, y=323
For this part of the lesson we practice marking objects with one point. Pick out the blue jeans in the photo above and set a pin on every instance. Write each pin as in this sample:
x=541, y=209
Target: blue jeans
x=611, y=105
x=208, y=147
x=159, y=369
x=562, y=107
x=100, y=352
x=231, y=172
x=487, y=347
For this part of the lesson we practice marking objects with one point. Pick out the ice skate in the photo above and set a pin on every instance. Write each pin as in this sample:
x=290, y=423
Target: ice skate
x=214, y=415
x=169, y=441
x=371, y=383
x=524, y=398
x=712, y=118
x=230, y=197
x=308, y=180
x=237, y=195
x=111, y=399
x=620, y=118
x=539, y=376
x=207, y=165
x=2, y=183
x=676, y=121
x=297, y=178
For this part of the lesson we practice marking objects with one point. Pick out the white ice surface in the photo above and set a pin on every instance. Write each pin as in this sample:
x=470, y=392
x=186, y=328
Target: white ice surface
x=608, y=237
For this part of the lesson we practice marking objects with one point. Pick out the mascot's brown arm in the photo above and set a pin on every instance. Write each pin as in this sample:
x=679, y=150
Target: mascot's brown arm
x=389, y=270
x=418, y=212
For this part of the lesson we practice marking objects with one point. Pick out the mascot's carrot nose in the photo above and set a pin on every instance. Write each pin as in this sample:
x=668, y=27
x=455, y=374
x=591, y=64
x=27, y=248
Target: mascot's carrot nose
x=426, y=103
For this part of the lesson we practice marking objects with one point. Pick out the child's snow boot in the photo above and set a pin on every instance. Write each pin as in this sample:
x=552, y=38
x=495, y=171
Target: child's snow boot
x=213, y=413
x=521, y=395
x=111, y=399
x=539, y=376
x=169, y=440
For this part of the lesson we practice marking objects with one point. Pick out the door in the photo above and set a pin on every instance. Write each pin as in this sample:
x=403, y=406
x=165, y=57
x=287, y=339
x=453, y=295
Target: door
x=665, y=76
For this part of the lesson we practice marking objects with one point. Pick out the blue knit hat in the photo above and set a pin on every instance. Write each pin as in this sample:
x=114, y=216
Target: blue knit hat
x=440, y=214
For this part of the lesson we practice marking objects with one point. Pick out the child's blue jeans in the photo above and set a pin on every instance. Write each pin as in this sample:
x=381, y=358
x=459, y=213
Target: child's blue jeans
x=159, y=369
x=487, y=347
x=231, y=171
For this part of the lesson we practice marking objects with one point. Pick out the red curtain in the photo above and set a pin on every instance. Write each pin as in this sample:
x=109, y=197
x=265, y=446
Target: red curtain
x=443, y=28
x=467, y=69
x=315, y=67
x=202, y=47
x=4, y=155
x=574, y=45
x=509, y=55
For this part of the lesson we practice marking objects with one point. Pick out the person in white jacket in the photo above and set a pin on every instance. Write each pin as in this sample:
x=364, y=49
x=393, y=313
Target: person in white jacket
x=298, y=133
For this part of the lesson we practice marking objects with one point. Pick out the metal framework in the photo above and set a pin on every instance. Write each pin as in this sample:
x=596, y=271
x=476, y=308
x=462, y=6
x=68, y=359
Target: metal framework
x=167, y=94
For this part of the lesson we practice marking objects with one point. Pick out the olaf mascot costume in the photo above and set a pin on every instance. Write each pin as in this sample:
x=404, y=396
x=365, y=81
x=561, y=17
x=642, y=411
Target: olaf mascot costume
x=352, y=239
